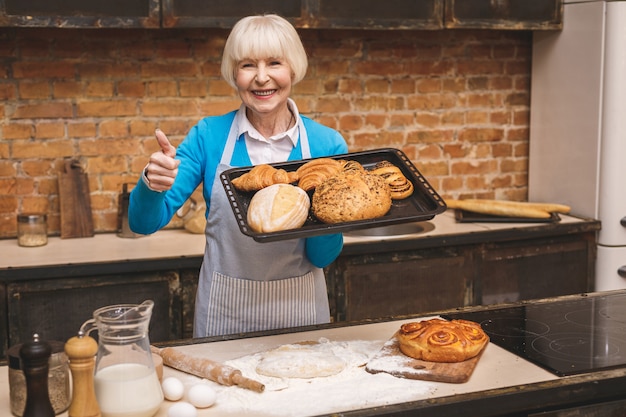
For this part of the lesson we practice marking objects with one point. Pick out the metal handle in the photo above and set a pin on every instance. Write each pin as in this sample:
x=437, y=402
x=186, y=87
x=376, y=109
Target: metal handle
x=622, y=221
x=621, y=271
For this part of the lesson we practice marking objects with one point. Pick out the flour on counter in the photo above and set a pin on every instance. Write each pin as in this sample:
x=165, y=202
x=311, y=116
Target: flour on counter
x=352, y=388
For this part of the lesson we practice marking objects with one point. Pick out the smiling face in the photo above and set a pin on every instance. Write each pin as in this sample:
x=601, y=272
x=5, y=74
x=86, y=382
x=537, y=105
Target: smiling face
x=264, y=85
x=256, y=38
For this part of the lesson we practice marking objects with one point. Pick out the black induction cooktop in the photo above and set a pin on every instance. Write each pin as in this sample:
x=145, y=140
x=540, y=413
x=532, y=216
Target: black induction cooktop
x=566, y=336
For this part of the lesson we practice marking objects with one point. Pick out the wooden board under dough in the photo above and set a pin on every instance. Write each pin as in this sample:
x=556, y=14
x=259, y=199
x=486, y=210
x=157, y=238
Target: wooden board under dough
x=392, y=361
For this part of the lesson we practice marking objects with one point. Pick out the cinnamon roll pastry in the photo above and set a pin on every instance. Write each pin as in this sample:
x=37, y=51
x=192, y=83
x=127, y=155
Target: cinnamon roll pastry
x=438, y=340
x=400, y=185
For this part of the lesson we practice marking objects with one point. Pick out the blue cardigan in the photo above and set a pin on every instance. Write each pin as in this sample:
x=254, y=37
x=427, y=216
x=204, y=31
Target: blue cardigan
x=200, y=154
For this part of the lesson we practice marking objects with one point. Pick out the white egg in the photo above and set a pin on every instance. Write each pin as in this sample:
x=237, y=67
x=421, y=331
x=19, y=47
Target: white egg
x=201, y=395
x=173, y=388
x=182, y=409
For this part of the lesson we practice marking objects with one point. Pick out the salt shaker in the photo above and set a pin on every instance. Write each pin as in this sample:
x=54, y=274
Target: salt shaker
x=35, y=356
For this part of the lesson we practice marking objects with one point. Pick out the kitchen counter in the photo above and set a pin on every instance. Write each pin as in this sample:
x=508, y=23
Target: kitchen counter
x=477, y=263
x=168, y=245
x=448, y=231
x=501, y=384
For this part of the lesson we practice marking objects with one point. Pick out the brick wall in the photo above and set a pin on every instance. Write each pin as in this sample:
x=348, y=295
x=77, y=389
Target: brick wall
x=457, y=102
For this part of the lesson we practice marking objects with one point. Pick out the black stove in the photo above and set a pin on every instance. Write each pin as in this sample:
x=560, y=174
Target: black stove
x=566, y=337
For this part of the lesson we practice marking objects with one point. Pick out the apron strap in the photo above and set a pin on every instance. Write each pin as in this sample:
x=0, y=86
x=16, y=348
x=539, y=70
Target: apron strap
x=233, y=134
x=304, y=139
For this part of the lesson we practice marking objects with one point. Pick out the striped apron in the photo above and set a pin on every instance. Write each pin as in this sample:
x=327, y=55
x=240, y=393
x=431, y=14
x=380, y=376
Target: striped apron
x=247, y=286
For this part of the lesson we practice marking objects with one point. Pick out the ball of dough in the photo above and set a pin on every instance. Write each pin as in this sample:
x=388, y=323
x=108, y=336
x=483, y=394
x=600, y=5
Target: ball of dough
x=201, y=395
x=300, y=361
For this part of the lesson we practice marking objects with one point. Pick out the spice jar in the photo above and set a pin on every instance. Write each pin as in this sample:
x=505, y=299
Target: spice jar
x=58, y=380
x=32, y=230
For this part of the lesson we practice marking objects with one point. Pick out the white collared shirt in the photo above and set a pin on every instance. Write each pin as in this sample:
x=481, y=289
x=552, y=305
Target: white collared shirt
x=266, y=150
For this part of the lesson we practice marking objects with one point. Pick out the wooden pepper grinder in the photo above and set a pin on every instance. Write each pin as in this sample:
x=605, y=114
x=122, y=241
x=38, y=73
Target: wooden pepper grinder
x=35, y=356
x=81, y=351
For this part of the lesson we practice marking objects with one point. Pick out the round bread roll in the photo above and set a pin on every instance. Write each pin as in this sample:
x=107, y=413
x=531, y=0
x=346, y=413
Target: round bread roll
x=278, y=207
x=351, y=196
x=438, y=340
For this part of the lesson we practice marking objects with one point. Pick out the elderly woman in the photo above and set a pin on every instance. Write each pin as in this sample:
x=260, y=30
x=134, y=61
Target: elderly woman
x=245, y=285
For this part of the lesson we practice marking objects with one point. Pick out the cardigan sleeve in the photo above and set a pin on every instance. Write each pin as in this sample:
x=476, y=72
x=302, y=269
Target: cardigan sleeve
x=323, y=250
x=199, y=154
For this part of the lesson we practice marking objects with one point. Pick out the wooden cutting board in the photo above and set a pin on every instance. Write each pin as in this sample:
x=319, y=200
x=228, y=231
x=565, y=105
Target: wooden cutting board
x=75, y=203
x=392, y=361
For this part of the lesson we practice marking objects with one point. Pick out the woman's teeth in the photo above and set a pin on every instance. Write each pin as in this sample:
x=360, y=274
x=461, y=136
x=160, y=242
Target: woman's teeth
x=265, y=92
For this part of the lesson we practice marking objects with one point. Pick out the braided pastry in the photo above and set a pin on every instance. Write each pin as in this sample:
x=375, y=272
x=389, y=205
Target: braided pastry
x=438, y=340
x=261, y=176
x=400, y=185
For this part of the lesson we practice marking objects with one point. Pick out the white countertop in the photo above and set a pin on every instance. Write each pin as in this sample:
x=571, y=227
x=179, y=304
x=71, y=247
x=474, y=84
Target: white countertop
x=496, y=368
x=106, y=247
x=180, y=243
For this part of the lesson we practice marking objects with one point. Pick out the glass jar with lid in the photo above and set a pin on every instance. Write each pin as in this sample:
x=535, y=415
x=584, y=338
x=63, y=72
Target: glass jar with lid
x=32, y=229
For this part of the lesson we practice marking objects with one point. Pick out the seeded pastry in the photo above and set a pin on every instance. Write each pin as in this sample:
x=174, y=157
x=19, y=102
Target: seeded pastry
x=348, y=197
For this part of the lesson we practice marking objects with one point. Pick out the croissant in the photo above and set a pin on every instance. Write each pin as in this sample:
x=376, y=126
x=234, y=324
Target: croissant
x=315, y=163
x=261, y=176
x=314, y=172
x=353, y=167
x=438, y=340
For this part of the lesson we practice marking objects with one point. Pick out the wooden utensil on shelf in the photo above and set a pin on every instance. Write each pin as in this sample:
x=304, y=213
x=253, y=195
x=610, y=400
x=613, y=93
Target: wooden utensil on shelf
x=74, y=201
x=206, y=368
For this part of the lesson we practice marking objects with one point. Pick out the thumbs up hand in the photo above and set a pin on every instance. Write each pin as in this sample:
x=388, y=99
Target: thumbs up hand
x=164, y=143
x=162, y=169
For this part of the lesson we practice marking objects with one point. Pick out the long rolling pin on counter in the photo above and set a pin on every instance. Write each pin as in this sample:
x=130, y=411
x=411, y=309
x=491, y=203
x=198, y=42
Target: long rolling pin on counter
x=206, y=368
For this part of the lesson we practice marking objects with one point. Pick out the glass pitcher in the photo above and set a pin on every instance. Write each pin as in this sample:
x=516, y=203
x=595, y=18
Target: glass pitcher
x=125, y=381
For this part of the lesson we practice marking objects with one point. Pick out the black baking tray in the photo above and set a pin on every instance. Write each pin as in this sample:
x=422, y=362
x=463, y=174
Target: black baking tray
x=464, y=216
x=422, y=205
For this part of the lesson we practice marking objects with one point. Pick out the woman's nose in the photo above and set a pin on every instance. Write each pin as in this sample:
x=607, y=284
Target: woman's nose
x=262, y=75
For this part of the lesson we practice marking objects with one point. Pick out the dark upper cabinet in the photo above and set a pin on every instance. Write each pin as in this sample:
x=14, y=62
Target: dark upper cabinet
x=376, y=14
x=322, y=14
x=81, y=13
x=356, y=14
x=504, y=14
x=221, y=13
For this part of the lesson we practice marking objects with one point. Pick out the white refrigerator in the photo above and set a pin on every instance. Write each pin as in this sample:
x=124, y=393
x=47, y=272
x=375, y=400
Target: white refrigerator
x=578, y=125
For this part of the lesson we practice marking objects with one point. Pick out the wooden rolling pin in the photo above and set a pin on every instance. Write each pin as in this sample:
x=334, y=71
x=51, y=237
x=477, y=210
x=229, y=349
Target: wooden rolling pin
x=508, y=208
x=206, y=368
